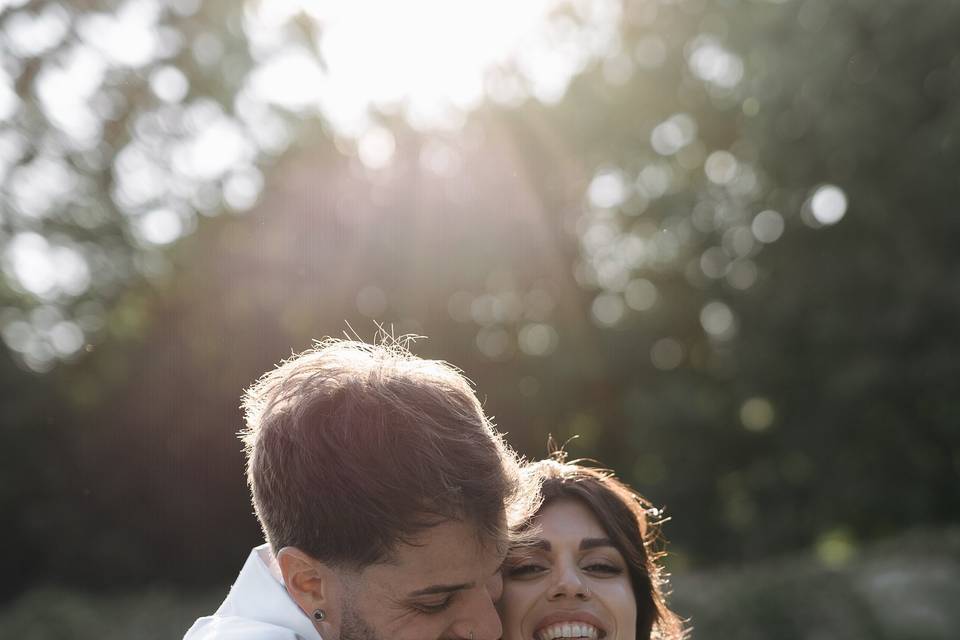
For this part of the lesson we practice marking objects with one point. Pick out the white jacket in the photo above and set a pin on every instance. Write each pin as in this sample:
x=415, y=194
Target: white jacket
x=257, y=607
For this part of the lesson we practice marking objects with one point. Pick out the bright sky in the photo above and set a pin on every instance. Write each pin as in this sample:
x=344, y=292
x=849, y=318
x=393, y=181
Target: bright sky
x=432, y=59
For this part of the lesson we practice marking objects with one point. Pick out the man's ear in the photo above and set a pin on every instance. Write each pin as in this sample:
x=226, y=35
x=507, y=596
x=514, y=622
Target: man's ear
x=313, y=585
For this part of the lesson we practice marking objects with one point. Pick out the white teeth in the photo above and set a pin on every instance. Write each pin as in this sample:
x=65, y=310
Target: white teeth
x=582, y=630
x=568, y=630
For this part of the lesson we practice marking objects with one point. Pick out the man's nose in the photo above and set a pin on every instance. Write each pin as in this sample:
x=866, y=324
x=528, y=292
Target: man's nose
x=482, y=621
x=495, y=587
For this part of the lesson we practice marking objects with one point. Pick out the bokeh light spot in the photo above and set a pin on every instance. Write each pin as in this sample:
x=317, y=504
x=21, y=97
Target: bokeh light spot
x=376, y=147
x=169, y=84
x=714, y=262
x=718, y=320
x=537, y=339
x=835, y=548
x=673, y=134
x=666, y=354
x=640, y=294
x=756, y=414
x=828, y=204
x=654, y=180
x=17, y=335
x=128, y=37
x=608, y=309
x=27, y=34
x=159, y=226
x=242, y=188
x=721, y=167
x=494, y=343
x=767, y=226
x=66, y=338
x=607, y=189
x=742, y=274
x=45, y=270
x=713, y=63
x=220, y=144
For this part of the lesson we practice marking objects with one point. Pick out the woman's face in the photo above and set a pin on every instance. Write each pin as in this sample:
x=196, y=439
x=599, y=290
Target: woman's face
x=573, y=583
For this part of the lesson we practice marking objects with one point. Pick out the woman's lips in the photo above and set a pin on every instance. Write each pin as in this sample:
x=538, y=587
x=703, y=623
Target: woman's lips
x=572, y=624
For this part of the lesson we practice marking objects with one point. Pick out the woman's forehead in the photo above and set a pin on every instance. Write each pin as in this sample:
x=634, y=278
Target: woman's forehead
x=568, y=517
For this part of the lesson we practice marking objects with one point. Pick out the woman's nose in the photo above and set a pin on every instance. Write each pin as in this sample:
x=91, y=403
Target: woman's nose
x=568, y=584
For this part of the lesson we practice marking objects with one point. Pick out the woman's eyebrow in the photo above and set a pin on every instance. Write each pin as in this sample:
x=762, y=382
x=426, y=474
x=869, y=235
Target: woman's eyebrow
x=593, y=543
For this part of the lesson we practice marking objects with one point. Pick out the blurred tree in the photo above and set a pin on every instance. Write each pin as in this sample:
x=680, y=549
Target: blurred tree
x=809, y=386
x=724, y=259
x=123, y=123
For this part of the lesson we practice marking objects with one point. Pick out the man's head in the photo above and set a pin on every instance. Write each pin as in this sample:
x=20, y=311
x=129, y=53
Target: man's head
x=381, y=487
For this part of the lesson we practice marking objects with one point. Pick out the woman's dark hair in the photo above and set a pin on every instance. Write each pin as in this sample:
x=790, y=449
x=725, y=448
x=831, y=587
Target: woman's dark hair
x=631, y=522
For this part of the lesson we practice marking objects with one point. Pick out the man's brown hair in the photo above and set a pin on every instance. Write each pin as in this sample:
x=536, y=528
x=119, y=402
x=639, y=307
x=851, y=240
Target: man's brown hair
x=354, y=448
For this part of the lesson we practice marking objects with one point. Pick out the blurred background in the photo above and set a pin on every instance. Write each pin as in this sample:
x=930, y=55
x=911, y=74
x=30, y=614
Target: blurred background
x=717, y=240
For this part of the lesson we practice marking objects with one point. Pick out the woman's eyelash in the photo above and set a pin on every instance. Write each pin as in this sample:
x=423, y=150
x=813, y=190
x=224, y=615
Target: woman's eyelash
x=603, y=567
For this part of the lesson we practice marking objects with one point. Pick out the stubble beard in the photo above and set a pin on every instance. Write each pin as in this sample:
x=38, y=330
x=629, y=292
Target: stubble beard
x=354, y=627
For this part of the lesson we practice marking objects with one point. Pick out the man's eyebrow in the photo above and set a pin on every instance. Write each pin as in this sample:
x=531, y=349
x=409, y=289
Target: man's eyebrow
x=593, y=543
x=440, y=588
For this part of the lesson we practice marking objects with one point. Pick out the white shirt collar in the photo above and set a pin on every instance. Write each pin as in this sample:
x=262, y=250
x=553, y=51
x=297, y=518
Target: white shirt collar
x=259, y=594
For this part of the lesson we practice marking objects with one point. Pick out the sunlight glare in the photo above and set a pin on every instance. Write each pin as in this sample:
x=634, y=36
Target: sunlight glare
x=128, y=37
x=45, y=270
x=28, y=34
x=66, y=90
x=432, y=51
x=430, y=60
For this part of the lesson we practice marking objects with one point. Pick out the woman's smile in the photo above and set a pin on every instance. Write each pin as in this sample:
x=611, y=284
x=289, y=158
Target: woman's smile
x=569, y=625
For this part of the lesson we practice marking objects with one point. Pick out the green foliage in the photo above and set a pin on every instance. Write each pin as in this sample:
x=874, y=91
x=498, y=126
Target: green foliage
x=901, y=588
x=726, y=260
x=150, y=614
